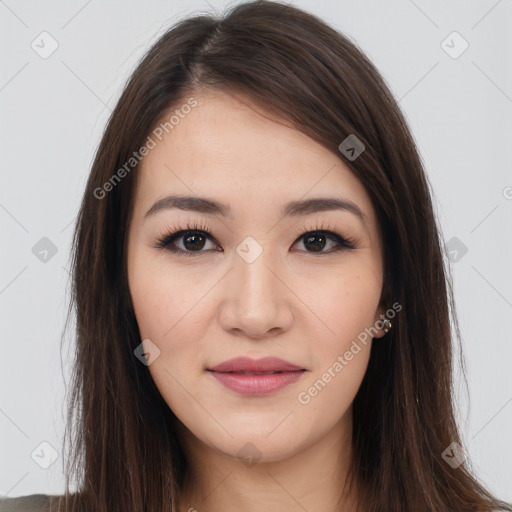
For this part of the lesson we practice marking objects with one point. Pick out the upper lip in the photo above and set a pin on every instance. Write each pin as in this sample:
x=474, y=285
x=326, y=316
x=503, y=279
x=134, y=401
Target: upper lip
x=245, y=364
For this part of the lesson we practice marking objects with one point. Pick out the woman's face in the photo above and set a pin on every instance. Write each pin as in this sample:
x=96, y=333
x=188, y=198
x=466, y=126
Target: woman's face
x=250, y=284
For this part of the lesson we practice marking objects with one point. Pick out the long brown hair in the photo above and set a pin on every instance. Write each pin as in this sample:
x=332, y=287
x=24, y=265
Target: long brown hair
x=124, y=449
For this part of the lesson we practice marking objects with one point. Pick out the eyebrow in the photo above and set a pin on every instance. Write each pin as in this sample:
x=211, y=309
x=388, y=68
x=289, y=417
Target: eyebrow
x=291, y=209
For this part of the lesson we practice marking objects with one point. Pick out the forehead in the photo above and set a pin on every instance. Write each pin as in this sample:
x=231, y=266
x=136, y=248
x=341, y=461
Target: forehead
x=227, y=148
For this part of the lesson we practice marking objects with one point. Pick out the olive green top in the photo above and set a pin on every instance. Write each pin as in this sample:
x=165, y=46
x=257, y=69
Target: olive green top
x=31, y=503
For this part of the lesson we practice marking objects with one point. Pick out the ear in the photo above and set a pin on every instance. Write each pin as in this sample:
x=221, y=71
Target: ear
x=379, y=322
x=380, y=316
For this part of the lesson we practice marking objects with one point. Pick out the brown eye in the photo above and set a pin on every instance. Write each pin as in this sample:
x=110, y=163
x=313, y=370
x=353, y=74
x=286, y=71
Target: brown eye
x=191, y=242
x=316, y=241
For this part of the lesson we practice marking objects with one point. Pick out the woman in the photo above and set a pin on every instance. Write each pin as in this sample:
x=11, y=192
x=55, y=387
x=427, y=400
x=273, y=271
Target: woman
x=263, y=311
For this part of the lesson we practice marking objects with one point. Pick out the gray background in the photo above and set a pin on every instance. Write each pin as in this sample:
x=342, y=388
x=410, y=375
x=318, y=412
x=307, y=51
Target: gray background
x=52, y=115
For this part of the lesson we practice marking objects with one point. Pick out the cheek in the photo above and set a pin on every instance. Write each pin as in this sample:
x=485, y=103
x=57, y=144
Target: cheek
x=329, y=394
x=171, y=309
x=165, y=315
x=163, y=301
x=347, y=303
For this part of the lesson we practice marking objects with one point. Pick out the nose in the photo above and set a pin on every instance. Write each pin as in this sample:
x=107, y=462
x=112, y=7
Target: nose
x=257, y=300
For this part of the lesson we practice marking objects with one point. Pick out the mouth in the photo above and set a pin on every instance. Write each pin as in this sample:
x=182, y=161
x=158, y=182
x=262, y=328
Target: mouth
x=258, y=366
x=254, y=373
x=261, y=377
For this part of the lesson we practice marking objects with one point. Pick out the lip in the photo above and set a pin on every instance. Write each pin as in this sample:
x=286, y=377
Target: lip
x=246, y=364
x=258, y=382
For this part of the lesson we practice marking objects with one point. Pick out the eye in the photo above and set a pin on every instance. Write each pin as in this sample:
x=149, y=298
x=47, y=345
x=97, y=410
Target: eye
x=316, y=241
x=187, y=242
x=318, y=236
x=191, y=241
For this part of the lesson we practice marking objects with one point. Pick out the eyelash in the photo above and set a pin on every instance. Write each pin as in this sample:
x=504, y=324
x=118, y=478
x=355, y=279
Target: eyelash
x=174, y=233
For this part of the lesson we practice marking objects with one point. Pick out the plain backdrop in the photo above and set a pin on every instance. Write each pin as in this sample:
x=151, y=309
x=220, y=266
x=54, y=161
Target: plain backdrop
x=456, y=93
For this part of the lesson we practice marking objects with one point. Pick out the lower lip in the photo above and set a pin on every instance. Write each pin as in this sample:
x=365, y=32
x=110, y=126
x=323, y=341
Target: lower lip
x=257, y=384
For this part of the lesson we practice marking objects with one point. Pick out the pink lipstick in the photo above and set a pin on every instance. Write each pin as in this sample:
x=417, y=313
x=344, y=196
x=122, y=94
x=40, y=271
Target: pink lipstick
x=256, y=377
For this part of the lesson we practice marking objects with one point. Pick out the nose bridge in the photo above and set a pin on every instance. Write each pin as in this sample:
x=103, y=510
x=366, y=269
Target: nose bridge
x=257, y=299
x=255, y=281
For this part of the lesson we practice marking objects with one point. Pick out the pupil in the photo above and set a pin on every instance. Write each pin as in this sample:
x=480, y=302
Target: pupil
x=316, y=247
x=195, y=244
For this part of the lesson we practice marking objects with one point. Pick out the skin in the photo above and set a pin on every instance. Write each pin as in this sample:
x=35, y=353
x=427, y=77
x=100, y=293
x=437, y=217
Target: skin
x=291, y=302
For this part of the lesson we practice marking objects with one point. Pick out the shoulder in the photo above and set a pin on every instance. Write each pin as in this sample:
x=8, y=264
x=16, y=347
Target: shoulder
x=31, y=503
x=34, y=503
